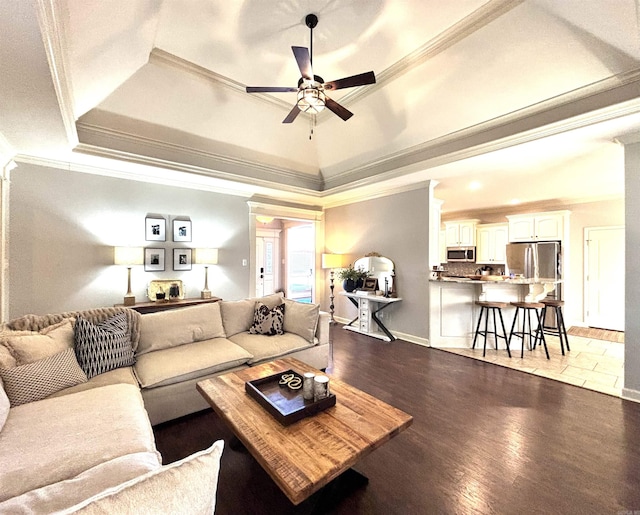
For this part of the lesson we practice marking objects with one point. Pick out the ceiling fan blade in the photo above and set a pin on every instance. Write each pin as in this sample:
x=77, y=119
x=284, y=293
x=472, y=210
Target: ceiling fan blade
x=342, y=112
x=268, y=89
x=361, y=79
x=292, y=114
x=304, y=61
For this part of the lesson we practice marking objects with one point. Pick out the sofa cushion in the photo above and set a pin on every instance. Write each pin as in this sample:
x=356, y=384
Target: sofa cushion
x=27, y=347
x=186, y=362
x=53, y=439
x=5, y=405
x=191, y=482
x=122, y=375
x=174, y=327
x=65, y=494
x=35, y=381
x=269, y=347
x=269, y=322
x=237, y=315
x=301, y=319
x=103, y=346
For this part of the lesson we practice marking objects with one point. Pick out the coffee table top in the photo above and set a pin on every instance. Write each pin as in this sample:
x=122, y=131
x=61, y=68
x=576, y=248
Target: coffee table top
x=307, y=455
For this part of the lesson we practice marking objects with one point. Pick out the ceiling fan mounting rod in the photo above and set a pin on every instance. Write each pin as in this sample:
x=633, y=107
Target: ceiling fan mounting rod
x=311, y=21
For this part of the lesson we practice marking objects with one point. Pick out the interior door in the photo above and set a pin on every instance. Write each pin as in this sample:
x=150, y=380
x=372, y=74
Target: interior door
x=604, y=277
x=301, y=262
x=266, y=264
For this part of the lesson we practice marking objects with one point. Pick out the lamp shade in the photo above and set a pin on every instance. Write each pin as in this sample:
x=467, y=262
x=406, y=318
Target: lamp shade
x=331, y=260
x=128, y=256
x=207, y=256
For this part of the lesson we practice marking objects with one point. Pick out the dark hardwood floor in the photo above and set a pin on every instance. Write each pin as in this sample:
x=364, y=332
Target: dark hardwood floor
x=485, y=439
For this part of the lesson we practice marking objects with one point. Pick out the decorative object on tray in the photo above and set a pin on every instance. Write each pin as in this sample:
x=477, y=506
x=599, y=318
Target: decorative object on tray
x=153, y=260
x=164, y=285
x=181, y=230
x=182, y=259
x=155, y=228
x=283, y=397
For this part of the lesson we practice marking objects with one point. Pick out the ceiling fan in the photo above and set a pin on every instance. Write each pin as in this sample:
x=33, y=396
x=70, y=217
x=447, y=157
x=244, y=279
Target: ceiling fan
x=311, y=88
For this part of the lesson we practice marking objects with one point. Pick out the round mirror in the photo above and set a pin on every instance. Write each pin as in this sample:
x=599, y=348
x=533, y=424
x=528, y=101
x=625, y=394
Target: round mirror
x=379, y=267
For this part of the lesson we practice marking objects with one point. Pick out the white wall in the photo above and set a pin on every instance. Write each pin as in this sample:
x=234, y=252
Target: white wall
x=63, y=226
x=397, y=227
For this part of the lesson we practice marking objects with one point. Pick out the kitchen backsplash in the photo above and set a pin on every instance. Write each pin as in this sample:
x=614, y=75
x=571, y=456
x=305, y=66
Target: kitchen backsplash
x=468, y=268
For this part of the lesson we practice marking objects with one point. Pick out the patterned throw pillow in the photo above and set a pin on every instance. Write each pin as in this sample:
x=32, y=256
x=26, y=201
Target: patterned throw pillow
x=37, y=380
x=268, y=321
x=104, y=346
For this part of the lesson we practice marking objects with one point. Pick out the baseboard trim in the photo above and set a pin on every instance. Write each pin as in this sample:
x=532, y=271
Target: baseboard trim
x=401, y=336
x=630, y=395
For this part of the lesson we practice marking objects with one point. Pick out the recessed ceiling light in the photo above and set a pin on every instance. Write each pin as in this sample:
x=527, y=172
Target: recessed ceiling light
x=475, y=185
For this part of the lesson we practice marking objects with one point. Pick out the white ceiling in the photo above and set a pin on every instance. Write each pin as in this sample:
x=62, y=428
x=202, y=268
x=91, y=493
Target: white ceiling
x=525, y=97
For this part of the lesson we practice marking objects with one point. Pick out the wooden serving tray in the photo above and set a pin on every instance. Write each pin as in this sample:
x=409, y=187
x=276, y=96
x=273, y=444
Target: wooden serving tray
x=285, y=405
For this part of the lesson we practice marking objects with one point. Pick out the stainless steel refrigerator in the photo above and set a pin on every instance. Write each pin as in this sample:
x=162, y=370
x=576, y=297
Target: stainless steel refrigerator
x=538, y=260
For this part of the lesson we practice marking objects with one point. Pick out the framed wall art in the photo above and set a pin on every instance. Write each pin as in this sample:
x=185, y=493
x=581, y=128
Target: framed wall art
x=155, y=229
x=182, y=259
x=182, y=230
x=153, y=260
x=370, y=284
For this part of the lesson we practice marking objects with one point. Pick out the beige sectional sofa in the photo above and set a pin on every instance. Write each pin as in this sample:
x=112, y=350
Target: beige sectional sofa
x=79, y=438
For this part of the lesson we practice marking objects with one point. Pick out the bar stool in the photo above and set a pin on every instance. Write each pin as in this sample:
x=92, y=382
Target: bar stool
x=485, y=308
x=560, y=330
x=527, y=308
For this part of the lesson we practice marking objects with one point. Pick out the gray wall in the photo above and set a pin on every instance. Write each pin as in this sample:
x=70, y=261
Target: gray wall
x=397, y=227
x=63, y=226
x=632, y=272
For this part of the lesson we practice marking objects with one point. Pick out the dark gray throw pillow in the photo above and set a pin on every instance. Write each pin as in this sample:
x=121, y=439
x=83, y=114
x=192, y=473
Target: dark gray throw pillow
x=104, y=346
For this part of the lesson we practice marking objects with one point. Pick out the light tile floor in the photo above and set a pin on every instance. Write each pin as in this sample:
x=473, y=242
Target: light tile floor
x=593, y=364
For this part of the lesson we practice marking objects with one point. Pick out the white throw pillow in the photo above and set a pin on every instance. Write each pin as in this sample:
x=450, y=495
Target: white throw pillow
x=4, y=405
x=301, y=319
x=237, y=315
x=28, y=347
x=191, y=482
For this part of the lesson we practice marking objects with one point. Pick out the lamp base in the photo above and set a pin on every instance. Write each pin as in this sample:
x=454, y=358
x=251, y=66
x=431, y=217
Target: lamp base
x=205, y=294
x=129, y=300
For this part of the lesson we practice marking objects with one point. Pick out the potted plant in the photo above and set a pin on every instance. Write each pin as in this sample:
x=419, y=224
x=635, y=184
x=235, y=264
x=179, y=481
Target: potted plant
x=352, y=278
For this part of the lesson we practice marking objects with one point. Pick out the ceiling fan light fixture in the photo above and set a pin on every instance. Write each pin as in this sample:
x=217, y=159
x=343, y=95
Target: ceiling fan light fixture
x=311, y=100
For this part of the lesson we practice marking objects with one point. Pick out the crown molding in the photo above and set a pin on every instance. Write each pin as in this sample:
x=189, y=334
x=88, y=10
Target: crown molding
x=121, y=145
x=52, y=30
x=605, y=100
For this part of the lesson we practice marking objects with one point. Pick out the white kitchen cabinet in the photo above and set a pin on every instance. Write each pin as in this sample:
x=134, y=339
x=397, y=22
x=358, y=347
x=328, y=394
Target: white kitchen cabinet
x=491, y=240
x=461, y=233
x=537, y=227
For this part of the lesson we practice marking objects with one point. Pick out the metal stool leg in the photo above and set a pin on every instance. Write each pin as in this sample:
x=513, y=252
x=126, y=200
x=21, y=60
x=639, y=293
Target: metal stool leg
x=475, y=336
x=561, y=326
x=544, y=342
x=504, y=332
x=486, y=330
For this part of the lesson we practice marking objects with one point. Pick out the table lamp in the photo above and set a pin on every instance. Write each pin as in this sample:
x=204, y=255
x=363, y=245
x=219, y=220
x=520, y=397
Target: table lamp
x=128, y=256
x=331, y=261
x=206, y=257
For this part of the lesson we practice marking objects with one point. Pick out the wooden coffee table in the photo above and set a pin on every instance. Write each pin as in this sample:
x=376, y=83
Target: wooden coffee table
x=306, y=456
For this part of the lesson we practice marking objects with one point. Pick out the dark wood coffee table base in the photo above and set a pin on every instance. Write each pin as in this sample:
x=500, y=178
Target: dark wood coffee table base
x=306, y=457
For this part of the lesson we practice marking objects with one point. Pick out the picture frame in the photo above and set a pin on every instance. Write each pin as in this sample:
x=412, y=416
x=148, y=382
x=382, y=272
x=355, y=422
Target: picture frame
x=155, y=228
x=154, y=260
x=370, y=284
x=182, y=259
x=182, y=230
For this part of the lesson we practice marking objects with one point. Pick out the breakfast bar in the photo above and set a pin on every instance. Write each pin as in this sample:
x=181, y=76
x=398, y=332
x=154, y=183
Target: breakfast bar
x=452, y=308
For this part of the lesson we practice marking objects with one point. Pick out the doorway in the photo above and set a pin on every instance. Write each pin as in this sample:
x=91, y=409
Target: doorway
x=300, y=262
x=267, y=261
x=604, y=277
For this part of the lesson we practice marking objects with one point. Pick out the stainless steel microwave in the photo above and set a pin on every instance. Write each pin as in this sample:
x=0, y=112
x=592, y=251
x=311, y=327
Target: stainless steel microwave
x=461, y=254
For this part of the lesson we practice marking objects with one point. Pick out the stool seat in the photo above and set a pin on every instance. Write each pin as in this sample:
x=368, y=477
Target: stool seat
x=528, y=305
x=553, y=302
x=486, y=304
x=527, y=329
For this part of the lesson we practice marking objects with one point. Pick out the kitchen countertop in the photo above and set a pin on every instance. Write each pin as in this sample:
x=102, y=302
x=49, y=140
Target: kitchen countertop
x=489, y=279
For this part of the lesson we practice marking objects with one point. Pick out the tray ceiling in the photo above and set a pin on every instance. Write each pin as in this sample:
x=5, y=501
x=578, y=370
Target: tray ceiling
x=502, y=92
